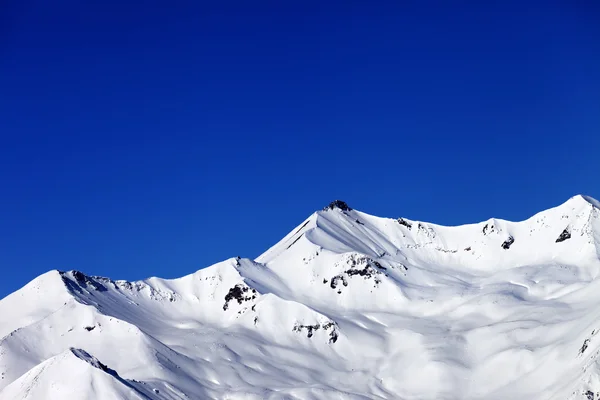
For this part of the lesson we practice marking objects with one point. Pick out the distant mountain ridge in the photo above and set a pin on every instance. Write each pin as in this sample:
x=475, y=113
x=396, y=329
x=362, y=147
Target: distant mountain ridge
x=346, y=306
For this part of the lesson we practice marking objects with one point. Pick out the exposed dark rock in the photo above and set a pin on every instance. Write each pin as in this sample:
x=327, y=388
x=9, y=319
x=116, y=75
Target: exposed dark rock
x=508, y=242
x=359, y=266
x=426, y=230
x=311, y=329
x=339, y=204
x=367, y=271
x=103, y=367
x=404, y=222
x=336, y=279
x=564, y=236
x=468, y=248
x=333, y=336
x=358, y=222
x=89, y=328
x=123, y=285
x=487, y=229
x=240, y=293
x=584, y=346
x=589, y=395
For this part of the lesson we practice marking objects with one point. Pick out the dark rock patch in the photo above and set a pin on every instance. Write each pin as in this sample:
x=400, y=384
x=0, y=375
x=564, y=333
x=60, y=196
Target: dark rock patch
x=584, y=346
x=589, y=395
x=359, y=266
x=508, y=242
x=123, y=285
x=333, y=336
x=103, y=367
x=339, y=204
x=240, y=293
x=335, y=280
x=89, y=328
x=404, y=222
x=311, y=329
x=487, y=229
x=366, y=272
x=564, y=236
x=428, y=231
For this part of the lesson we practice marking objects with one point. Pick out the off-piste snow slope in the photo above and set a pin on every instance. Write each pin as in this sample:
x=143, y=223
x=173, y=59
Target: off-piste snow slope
x=346, y=306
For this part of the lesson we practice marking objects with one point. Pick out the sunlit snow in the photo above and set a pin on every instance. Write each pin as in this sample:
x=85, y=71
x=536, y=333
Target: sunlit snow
x=346, y=306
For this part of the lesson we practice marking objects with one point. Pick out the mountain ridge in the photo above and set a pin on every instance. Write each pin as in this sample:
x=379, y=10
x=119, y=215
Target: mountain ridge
x=344, y=299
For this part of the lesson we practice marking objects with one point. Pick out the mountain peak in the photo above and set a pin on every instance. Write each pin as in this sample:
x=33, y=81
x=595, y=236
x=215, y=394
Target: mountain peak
x=339, y=204
x=578, y=202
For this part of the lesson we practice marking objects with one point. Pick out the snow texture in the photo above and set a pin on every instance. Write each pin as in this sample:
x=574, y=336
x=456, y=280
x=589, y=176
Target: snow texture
x=346, y=306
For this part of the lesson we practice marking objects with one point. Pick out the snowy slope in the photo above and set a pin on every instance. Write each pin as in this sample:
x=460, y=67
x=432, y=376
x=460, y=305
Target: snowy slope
x=87, y=378
x=346, y=306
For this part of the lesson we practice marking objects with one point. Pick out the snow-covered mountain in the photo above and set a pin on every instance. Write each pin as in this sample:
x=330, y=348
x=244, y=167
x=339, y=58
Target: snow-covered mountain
x=346, y=306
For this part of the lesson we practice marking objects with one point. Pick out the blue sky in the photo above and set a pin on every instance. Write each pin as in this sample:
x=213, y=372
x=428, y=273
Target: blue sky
x=145, y=139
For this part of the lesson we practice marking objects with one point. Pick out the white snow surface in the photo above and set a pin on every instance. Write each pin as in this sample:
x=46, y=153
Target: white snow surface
x=346, y=306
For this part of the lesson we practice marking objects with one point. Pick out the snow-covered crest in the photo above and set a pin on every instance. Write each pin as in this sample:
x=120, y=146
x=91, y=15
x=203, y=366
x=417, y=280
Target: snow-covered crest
x=347, y=305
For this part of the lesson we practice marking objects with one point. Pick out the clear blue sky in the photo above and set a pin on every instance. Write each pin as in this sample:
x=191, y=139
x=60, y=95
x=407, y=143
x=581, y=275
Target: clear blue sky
x=146, y=139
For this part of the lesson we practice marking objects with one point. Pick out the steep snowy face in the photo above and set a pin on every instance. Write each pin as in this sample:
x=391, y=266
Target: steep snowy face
x=347, y=305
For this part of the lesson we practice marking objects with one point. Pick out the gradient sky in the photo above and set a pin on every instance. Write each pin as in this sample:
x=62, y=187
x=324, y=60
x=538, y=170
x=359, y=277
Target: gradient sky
x=145, y=140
